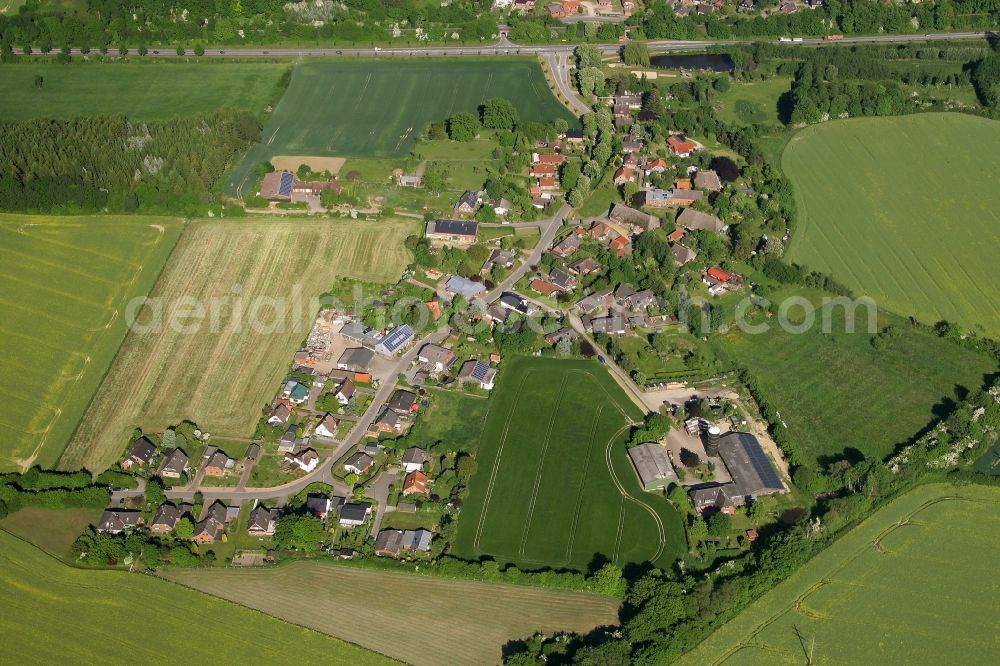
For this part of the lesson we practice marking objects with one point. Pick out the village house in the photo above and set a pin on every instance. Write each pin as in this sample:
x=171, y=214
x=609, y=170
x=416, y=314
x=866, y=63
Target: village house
x=327, y=426
x=217, y=463
x=718, y=280
x=653, y=467
x=624, y=175
x=354, y=514
x=613, y=324
x=501, y=207
x=468, y=203
x=477, y=372
x=465, y=287
x=567, y=334
x=543, y=287
x=554, y=159
x=345, y=391
x=621, y=246
x=306, y=460
x=459, y=233
x=414, y=459
x=679, y=146
x=752, y=472
x=640, y=300
x=388, y=422
x=295, y=392
x=438, y=358
x=575, y=136
x=262, y=522
x=632, y=217
x=277, y=186
x=213, y=526
x=656, y=198
x=321, y=506
x=542, y=169
x=140, y=454
x=403, y=402
x=395, y=340
x=566, y=246
x=116, y=521
x=631, y=145
x=388, y=543
x=513, y=302
x=415, y=483
x=682, y=254
x=359, y=463
x=694, y=220
x=675, y=235
x=355, y=331
x=561, y=279
x=166, y=519
x=279, y=415
x=708, y=181
x=417, y=540
x=287, y=441
x=316, y=187
x=599, y=299
x=355, y=359
x=584, y=266
x=175, y=465
x=404, y=180
x=547, y=183
x=632, y=100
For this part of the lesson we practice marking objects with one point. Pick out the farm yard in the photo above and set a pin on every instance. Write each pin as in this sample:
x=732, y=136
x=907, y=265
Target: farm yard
x=905, y=210
x=554, y=487
x=140, y=91
x=55, y=613
x=57, y=342
x=418, y=618
x=220, y=374
x=906, y=586
x=377, y=108
x=837, y=393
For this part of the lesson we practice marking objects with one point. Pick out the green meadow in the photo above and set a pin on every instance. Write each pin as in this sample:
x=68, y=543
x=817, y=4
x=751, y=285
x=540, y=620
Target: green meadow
x=66, y=282
x=909, y=585
x=554, y=487
x=905, y=210
x=378, y=108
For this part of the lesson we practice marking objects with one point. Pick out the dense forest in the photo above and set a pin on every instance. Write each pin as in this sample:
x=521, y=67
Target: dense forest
x=111, y=163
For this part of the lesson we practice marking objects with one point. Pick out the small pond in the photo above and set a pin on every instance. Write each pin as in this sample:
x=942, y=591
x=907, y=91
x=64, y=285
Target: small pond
x=716, y=62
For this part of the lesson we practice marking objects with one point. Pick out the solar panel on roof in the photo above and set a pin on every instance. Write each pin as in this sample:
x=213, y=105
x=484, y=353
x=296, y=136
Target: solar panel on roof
x=479, y=372
x=762, y=466
x=285, y=187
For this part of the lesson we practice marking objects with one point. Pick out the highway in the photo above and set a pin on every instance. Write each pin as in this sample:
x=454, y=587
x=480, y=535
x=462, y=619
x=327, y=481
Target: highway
x=503, y=47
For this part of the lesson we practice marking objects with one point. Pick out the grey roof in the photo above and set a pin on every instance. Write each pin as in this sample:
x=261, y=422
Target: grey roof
x=118, y=520
x=395, y=339
x=413, y=455
x=262, y=519
x=459, y=285
x=417, y=540
x=513, y=302
x=388, y=417
x=478, y=371
x=682, y=254
x=167, y=515
x=389, y=540
x=469, y=198
x=571, y=242
x=585, y=265
x=752, y=471
x=432, y=353
x=317, y=504
x=716, y=494
x=357, y=331
x=626, y=215
x=594, y=301
x=356, y=512
x=452, y=227
x=561, y=279
x=402, y=401
x=176, y=462
x=356, y=357
x=652, y=465
x=561, y=334
x=695, y=219
x=359, y=461
x=143, y=450
x=614, y=323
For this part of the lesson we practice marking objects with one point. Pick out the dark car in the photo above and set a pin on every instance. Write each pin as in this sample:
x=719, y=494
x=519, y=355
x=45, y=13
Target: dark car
x=602, y=359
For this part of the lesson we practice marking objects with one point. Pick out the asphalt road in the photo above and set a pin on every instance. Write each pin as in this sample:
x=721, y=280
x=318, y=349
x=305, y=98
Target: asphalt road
x=549, y=230
x=559, y=66
x=504, y=48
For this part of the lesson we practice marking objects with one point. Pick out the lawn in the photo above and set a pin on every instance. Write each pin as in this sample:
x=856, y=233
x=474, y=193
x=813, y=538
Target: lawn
x=141, y=91
x=57, y=614
x=836, y=392
x=66, y=282
x=600, y=200
x=758, y=98
x=908, y=585
x=422, y=620
x=452, y=418
x=256, y=282
x=52, y=530
x=554, y=487
x=377, y=108
x=905, y=210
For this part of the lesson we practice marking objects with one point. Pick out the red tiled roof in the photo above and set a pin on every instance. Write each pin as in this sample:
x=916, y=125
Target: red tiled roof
x=718, y=274
x=543, y=287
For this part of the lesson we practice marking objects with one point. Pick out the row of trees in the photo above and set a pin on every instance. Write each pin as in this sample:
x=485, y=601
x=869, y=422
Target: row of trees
x=112, y=163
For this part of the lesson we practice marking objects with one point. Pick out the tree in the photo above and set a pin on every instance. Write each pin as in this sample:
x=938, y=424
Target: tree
x=560, y=125
x=587, y=55
x=608, y=580
x=154, y=491
x=199, y=50
x=39, y=80
x=727, y=169
x=499, y=113
x=180, y=50
x=463, y=126
x=720, y=524
x=436, y=132
x=184, y=528
x=636, y=53
x=436, y=178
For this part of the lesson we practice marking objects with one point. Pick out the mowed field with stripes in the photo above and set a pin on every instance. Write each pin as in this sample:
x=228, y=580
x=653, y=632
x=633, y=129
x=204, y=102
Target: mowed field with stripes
x=65, y=283
x=256, y=284
x=905, y=210
x=378, y=108
x=554, y=487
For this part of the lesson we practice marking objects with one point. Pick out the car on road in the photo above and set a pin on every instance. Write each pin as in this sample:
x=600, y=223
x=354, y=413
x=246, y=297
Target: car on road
x=602, y=359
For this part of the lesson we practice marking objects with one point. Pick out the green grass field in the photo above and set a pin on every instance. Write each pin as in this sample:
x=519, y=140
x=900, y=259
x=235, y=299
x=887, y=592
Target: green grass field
x=261, y=277
x=760, y=97
x=554, y=487
x=836, y=392
x=58, y=614
x=377, y=108
x=912, y=584
x=65, y=284
x=141, y=91
x=905, y=210
x=422, y=620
